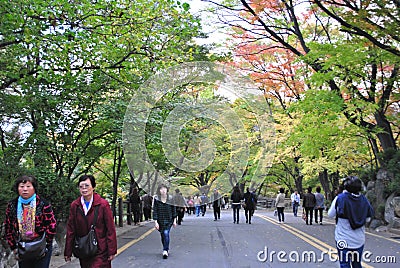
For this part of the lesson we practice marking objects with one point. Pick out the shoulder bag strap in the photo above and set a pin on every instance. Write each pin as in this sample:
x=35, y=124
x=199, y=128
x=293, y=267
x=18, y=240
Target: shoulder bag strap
x=83, y=214
x=96, y=212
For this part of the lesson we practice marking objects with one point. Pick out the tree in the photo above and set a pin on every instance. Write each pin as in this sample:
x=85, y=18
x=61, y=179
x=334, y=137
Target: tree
x=69, y=69
x=309, y=34
x=273, y=34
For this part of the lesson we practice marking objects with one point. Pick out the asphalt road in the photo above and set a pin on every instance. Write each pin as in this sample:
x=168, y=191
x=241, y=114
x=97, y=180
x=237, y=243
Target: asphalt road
x=203, y=242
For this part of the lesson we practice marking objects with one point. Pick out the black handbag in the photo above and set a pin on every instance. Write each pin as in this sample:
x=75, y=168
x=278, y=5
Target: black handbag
x=32, y=250
x=86, y=247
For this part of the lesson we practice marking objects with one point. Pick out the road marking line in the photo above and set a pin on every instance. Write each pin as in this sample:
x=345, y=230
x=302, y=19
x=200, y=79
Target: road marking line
x=387, y=238
x=371, y=233
x=127, y=245
x=306, y=237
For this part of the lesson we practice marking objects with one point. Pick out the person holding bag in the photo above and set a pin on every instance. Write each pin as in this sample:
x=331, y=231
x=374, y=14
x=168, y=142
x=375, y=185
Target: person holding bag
x=30, y=225
x=90, y=212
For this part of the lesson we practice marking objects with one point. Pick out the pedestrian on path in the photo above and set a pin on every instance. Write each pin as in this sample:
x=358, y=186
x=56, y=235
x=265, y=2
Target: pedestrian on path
x=134, y=199
x=204, y=201
x=319, y=205
x=280, y=205
x=308, y=205
x=217, y=205
x=190, y=203
x=181, y=205
x=197, y=204
x=352, y=210
x=147, y=206
x=164, y=215
x=295, y=198
x=249, y=205
x=236, y=198
x=81, y=216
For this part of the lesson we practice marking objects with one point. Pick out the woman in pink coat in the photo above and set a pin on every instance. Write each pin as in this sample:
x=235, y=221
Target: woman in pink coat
x=84, y=207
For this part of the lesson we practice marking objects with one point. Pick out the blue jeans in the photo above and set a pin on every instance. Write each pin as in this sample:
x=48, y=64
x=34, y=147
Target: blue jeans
x=295, y=208
x=40, y=263
x=350, y=258
x=197, y=208
x=165, y=238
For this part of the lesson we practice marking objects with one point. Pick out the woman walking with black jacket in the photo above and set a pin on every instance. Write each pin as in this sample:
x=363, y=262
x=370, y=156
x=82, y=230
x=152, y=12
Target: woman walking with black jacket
x=164, y=214
x=236, y=197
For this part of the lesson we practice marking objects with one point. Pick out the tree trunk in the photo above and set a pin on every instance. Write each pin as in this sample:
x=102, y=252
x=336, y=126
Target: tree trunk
x=386, y=136
x=324, y=180
x=298, y=178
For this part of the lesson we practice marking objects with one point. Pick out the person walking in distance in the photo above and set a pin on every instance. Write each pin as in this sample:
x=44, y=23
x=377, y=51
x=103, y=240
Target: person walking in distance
x=203, y=206
x=308, y=205
x=164, y=215
x=352, y=211
x=190, y=203
x=319, y=205
x=180, y=204
x=197, y=204
x=147, y=205
x=280, y=204
x=249, y=205
x=295, y=198
x=236, y=198
x=217, y=205
x=134, y=199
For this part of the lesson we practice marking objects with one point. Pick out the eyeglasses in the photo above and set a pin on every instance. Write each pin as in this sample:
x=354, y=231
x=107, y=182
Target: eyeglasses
x=84, y=186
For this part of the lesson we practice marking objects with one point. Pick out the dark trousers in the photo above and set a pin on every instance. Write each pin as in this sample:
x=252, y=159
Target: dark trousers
x=281, y=216
x=309, y=215
x=320, y=210
x=236, y=209
x=147, y=213
x=181, y=214
x=203, y=209
x=248, y=213
x=136, y=215
x=217, y=213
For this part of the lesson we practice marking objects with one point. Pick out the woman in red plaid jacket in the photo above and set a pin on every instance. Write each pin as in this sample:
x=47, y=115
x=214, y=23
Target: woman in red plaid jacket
x=29, y=217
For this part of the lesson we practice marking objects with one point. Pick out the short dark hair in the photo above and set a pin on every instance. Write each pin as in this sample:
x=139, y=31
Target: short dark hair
x=281, y=190
x=318, y=189
x=353, y=184
x=24, y=179
x=90, y=177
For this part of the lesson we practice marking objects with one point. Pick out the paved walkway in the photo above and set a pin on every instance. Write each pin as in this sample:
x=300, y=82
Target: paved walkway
x=58, y=261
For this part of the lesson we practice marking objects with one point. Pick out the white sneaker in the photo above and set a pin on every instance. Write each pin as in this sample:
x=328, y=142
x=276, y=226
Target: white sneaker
x=165, y=254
